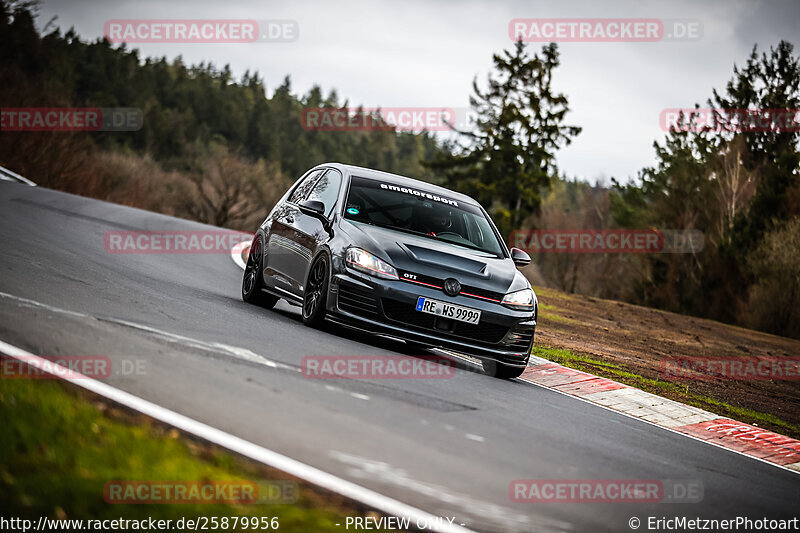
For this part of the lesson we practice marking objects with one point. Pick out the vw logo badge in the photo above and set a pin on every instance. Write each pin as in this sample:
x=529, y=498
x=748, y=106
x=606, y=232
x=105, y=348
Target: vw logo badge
x=452, y=287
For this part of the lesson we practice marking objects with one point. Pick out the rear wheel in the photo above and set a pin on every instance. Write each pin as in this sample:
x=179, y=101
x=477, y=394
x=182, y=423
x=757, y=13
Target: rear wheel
x=501, y=371
x=316, y=292
x=252, y=282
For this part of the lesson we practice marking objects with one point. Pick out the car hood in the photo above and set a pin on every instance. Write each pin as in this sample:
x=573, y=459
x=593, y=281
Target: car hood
x=421, y=255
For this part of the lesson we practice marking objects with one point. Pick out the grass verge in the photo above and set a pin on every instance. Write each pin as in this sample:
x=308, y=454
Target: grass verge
x=668, y=389
x=59, y=446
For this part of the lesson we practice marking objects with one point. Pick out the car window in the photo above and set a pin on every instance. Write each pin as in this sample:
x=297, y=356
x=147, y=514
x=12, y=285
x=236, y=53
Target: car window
x=326, y=190
x=414, y=210
x=300, y=193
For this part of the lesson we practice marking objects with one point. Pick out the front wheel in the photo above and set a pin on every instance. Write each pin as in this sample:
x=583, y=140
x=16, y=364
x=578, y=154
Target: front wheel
x=316, y=292
x=252, y=282
x=501, y=371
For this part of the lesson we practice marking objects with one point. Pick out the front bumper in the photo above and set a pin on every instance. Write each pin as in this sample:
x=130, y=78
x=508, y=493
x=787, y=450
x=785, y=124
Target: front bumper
x=387, y=307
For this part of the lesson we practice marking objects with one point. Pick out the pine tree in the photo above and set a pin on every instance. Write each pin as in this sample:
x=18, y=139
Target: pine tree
x=509, y=155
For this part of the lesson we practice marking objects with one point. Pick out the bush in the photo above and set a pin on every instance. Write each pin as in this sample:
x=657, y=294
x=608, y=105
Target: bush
x=774, y=299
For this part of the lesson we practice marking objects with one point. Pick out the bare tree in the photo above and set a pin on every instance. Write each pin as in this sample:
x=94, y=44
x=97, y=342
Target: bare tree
x=735, y=186
x=230, y=191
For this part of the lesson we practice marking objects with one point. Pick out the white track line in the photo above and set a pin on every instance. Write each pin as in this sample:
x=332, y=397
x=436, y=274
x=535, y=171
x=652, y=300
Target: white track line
x=248, y=449
x=233, y=351
x=8, y=175
x=236, y=254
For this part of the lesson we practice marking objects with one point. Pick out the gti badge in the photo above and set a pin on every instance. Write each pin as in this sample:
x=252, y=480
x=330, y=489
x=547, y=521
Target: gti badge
x=452, y=287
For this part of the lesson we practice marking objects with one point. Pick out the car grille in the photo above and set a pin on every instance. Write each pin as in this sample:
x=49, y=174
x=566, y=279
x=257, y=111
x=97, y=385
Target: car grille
x=466, y=290
x=405, y=313
x=357, y=301
x=520, y=337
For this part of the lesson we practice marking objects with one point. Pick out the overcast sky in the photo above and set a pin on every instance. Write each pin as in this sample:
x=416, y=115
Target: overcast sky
x=423, y=53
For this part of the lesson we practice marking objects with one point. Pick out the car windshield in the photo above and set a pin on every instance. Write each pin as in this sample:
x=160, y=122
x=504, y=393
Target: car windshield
x=420, y=212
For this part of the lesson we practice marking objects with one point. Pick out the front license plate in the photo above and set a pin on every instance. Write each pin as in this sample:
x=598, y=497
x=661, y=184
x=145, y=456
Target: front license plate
x=446, y=310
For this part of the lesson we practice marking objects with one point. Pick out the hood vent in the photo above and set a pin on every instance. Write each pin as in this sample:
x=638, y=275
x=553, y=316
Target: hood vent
x=438, y=258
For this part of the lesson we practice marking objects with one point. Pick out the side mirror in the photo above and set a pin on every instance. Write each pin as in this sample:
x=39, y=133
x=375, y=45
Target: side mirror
x=314, y=208
x=519, y=257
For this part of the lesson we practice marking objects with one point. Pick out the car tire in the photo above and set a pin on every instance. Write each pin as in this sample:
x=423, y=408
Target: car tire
x=501, y=371
x=315, y=295
x=252, y=282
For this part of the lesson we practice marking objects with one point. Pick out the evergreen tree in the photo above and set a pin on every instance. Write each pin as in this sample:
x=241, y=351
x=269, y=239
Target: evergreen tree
x=509, y=155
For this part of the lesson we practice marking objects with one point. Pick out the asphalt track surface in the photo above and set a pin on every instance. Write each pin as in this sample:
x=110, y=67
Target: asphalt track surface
x=448, y=446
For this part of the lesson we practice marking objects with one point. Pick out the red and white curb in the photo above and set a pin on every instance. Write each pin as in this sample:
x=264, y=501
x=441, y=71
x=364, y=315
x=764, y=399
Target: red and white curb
x=736, y=436
x=704, y=425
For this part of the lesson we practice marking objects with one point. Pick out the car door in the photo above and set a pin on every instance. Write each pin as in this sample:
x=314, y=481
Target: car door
x=309, y=230
x=283, y=236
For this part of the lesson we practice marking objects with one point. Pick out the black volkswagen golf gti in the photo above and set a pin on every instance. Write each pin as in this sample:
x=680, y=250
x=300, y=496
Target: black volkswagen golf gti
x=394, y=256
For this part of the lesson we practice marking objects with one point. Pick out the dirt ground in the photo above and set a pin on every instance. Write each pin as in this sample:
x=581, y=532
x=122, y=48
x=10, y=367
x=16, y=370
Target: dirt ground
x=639, y=340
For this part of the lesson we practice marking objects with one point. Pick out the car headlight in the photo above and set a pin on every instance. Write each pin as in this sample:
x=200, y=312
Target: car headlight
x=366, y=262
x=521, y=300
